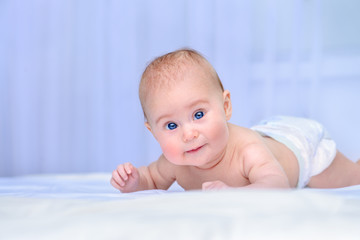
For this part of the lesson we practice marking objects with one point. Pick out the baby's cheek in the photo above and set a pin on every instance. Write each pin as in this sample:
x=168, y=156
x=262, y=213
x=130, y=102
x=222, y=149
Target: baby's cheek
x=219, y=134
x=218, y=130
x=171, y=151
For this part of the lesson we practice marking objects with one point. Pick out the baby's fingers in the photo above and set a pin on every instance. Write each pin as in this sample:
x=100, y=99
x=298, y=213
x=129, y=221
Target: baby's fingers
x=214, y=185
x=207, y=185
x=132, y=171
x=125, y=178
x=115, y=183
x=122, y=172
x=116, y=180
x=128, y=167
x=119, y=175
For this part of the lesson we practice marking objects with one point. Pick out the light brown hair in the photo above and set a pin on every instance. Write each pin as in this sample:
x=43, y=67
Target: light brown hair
x=163, y=71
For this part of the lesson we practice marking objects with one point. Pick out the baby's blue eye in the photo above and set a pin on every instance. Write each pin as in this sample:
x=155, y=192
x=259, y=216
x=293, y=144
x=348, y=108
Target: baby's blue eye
x=199, y=114
x=171, y=126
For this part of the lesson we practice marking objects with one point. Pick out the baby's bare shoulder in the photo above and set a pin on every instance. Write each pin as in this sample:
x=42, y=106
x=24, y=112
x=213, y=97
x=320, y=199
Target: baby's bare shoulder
x=246, y=143
x=242, y=137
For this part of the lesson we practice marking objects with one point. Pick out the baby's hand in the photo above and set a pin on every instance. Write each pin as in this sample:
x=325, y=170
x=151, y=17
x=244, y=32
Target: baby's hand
x=126, y=178
x=214, y=185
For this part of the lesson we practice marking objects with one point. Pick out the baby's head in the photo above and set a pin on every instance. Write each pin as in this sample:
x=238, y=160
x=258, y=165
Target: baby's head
x=166, y=71
x=186, y=108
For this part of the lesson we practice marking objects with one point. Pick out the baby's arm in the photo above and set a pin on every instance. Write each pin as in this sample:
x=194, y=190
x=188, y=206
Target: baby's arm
x=262, y=168
x=158, y=175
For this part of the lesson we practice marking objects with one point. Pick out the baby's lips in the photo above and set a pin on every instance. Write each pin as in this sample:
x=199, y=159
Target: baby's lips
x=194, y=149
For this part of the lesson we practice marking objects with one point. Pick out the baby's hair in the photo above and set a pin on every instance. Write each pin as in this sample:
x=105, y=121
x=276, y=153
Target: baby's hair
x=163, y=71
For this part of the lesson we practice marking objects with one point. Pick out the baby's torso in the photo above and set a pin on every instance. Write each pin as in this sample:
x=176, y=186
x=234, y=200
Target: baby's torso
x=285, y=157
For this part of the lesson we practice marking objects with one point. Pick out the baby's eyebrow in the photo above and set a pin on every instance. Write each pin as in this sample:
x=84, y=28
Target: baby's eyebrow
x=189, y=106
x=161, y=117
x=197, y=102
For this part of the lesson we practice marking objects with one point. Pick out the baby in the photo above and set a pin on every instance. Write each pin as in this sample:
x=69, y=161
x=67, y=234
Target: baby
x=187, y=110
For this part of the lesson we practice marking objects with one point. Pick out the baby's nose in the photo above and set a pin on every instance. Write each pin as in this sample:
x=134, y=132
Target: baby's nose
x=190, y=133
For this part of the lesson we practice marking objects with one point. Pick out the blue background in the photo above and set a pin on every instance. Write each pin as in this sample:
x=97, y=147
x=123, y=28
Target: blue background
x=69, y=72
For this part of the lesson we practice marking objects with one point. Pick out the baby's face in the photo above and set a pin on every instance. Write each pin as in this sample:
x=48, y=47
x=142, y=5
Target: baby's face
x=189, y=120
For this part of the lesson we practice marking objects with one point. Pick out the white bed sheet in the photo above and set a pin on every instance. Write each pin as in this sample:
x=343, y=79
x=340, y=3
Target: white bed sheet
x=85, y=206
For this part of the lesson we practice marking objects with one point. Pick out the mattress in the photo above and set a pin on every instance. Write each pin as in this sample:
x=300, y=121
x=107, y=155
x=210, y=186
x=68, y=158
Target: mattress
x=85, y=206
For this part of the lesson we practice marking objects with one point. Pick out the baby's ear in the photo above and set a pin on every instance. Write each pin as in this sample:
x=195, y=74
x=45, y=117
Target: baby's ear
x=147, y=125
x=227, y=104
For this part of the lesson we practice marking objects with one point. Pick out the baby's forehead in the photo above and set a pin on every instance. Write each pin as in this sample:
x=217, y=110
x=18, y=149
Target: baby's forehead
x=185, y=77
x=168, y=71
x=168, y=76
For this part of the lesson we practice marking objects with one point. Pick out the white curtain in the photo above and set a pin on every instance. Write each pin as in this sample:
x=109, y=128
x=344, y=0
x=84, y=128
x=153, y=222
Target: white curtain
x=69, y=72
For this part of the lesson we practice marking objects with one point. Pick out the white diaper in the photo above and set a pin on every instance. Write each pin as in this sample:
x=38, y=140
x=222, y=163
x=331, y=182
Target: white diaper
x=307, y=139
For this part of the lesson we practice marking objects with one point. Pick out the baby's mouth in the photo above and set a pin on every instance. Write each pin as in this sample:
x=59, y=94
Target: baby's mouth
x=194, y=150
